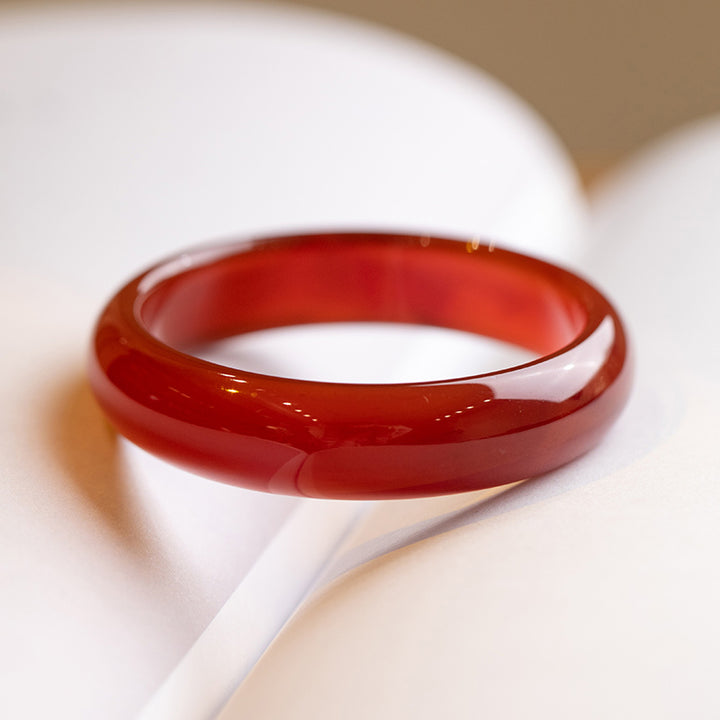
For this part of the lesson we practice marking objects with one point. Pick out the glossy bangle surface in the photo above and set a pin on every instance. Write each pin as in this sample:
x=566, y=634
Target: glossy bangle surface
x=344, y=440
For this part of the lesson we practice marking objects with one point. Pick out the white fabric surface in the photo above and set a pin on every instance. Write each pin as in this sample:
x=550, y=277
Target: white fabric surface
x=127, y=133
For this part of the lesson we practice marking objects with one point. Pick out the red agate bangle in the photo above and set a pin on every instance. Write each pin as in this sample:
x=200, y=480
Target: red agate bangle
x=343, y=440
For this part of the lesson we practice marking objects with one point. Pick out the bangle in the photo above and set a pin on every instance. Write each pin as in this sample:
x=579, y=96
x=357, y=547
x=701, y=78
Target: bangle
x=345, y=440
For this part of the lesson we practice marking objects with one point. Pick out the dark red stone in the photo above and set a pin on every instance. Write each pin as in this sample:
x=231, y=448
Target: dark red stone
x=352, y=440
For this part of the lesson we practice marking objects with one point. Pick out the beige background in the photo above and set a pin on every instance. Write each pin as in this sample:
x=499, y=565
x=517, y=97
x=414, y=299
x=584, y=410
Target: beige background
x=607, y=74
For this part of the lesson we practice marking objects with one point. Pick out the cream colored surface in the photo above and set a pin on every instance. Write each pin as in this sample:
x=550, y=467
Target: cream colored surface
x=570, y=605
x=109, y=571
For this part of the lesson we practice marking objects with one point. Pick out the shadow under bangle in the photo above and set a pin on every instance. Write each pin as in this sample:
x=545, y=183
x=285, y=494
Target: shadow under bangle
x=345, y=440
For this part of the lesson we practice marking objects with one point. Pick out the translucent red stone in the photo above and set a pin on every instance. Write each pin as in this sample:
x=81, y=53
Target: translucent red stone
x=341, y=440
